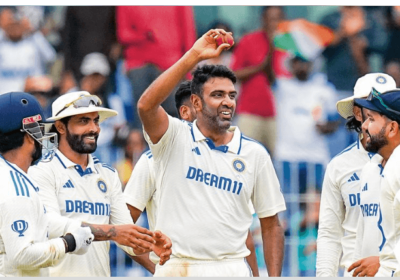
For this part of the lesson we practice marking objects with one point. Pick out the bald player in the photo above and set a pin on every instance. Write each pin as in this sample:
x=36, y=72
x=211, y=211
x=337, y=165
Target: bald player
x=339, y=209
x=140, y=191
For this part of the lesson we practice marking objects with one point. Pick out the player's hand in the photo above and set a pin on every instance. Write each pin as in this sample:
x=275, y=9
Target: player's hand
x=83, y=238
x=162, y=247
x=206, y=46
x=138, y=238
x=366, y=267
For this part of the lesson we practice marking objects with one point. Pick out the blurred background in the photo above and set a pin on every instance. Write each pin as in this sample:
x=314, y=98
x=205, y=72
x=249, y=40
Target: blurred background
x=293, y=63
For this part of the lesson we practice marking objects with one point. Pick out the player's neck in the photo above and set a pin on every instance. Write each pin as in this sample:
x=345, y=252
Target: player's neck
x=66, y=150
x=19, y=158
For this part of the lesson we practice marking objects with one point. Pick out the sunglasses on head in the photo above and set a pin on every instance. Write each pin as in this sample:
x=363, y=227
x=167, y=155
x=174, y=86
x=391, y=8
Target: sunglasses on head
x=83, y=101
x=376, y=94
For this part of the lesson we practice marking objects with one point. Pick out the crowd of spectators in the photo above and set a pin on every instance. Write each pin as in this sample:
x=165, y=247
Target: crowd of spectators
x=285, y=102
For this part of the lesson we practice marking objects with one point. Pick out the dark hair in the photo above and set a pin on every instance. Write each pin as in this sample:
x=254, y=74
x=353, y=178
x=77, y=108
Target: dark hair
x=353, y=124
x=203, y=73
x=12, y=140
x=53, y=128
x=182, y=94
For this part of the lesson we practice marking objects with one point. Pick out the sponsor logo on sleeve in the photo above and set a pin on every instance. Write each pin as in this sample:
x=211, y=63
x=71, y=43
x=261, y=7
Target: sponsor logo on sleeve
x=20, y=227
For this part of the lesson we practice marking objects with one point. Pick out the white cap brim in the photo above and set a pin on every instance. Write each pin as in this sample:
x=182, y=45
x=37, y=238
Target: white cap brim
x=345, y=107
x=104, y=113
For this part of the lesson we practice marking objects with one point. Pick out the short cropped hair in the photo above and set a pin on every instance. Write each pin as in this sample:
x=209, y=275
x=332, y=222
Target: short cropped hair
x=203, y=73
x=182, y=94
x=11, y=141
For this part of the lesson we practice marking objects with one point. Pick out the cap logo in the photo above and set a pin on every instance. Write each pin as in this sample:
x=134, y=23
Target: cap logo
x=32, y=119
x=381, y=80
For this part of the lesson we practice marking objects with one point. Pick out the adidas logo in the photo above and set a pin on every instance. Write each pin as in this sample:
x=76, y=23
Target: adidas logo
x=196, y=150
x=68, y=184
x=354, y=177
x=365, y=188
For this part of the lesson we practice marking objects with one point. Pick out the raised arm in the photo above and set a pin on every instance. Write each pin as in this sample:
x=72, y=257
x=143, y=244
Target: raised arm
x=153, y=116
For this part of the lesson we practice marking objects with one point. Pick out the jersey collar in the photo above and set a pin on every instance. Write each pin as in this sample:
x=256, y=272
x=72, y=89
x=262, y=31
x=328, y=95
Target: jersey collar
x=233, y=146
x=66, y=163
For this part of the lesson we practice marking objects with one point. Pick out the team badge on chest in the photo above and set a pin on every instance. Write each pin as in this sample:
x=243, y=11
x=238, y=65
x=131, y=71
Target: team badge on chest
x=102, y=185
x=239, y=165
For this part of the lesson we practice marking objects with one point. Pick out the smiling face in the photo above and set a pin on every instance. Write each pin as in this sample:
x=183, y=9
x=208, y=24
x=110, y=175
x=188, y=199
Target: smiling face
x=218, y=103
x=375, y=129
x=82, y=132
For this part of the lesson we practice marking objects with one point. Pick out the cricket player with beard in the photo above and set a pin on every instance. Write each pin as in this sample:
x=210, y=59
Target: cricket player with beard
x=140, y=192
x=78, y=186
x=208, y=171
x=383, y=129
x=339, y=210
x=25, y=249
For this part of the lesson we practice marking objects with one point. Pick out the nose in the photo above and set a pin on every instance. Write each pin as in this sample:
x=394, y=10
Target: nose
x=229, y=102
x=364, y=125
x=94, y=127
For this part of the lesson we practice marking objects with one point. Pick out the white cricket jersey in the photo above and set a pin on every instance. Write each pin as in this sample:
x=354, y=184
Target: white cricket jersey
x=202, y=204
x=390, y=214
x=24, y=246
x=301, y=105
x=93, y=196
x=339, y=210
x=140, y=191
x=370, y=237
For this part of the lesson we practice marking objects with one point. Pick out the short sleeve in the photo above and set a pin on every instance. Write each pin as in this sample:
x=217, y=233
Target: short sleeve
x=162, y=149
x=141, y=185
x=267, y=196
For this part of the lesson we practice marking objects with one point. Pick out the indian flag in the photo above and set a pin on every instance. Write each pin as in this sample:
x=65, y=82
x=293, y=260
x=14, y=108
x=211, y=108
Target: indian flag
x=303, y=38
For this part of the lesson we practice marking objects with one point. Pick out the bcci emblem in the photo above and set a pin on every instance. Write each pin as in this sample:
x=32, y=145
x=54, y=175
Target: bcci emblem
x=239, y=165
x=381, y=80
x=20, y=227
x=102, y=186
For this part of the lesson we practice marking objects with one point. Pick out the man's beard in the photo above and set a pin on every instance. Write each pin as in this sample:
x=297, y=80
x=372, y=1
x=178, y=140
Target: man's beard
x=37, y=153
x=78, y=145
x=376, y=142
x=214, y=121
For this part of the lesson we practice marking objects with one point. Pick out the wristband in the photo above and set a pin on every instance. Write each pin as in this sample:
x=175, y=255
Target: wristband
x=69, y=242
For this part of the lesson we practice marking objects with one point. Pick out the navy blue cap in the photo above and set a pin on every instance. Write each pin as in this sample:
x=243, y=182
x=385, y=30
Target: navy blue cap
x=387, y=103
x=16, y=108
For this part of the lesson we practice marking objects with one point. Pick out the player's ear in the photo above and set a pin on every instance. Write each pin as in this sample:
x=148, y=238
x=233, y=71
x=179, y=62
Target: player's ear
x=196, y=101
x=357, y=113
x=60, y=126
x=393, y=129
x=183, y=112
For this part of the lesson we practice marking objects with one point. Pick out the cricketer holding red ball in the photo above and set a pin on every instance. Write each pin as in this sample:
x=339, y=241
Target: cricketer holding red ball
x=208, y=171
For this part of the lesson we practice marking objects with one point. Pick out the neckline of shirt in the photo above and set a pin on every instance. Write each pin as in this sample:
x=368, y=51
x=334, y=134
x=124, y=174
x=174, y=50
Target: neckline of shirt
x=233, y=146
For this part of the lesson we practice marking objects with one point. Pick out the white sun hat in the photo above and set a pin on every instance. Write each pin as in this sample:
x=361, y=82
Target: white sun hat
x=76, y=103
x=380, y=81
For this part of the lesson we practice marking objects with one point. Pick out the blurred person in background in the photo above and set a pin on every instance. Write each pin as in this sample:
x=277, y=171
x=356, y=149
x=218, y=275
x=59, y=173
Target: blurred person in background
x=154, y=38
x=88, y=29
x=253, y=64
x=133, y=149
x=305, y=115
x=24, y=52
x=392, y=52
x=357, y=36
x=393, y=69
x=42, y=88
